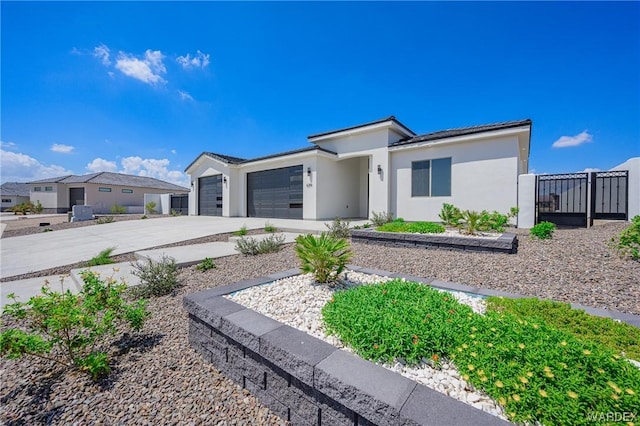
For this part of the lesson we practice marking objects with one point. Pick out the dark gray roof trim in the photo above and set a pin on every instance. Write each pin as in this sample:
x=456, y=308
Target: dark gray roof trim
x=119, y=179
x=18, y=189
x=371, y=123
x=235, y=160
x=443, y=134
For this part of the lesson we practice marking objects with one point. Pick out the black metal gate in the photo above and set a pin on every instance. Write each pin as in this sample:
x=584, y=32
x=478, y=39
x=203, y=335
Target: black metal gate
x=180, y=204
x=564, y=198
x=610, y=191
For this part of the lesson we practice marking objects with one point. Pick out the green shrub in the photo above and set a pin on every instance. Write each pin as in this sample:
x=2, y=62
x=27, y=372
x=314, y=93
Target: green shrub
x=617, y=336
x=37, y=207
x=324, y=256
x=471, y=222
x=494, y=221
x=144, y=216
x=22, y=208
x=543, y=230
x=206, y=264
x=104, y=219
x=268, y=227
x=379, y=219
x=538, y=373
x=241, y=232
x=102, y=258
x=627, y=244
x=47, y=230
x=156, y=278
x=150, y=207
x=71, y=329
x=412, y=227
x=118, y=209
x=175, y=213
x=450, y=215
x=398, y=219
x=252, y=246
x=339, y=228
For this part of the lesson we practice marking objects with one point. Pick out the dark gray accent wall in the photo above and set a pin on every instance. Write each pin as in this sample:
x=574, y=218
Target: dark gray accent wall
x=210, y=196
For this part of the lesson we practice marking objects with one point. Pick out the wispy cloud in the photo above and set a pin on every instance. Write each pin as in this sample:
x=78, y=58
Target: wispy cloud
x=8, y=145
x=61, y=148
x=101, y=165
x=18, y=167
x=199, y=60
x=147, y=69
x=185, y=96
x=567, y=141
x=591, y=169
x=173, y=151
x=102, y=52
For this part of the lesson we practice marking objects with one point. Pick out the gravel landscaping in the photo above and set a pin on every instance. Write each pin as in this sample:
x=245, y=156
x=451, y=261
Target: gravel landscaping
x=158, y=379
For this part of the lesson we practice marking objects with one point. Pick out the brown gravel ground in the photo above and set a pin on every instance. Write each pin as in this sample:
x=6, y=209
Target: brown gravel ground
x=158, y=379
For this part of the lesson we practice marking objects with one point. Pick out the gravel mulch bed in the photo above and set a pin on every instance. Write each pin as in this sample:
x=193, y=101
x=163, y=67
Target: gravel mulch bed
x=158, y=379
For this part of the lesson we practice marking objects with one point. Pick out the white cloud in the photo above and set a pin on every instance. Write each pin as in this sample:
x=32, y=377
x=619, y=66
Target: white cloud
x=23, y=168
x=101, y=165
x=61, y=148
x=8, y=145
x=567, y=141
x=185, y=96
x=173, y=151
x=155, y=168
x=147, y=70
x=102, y=52
x=591, y=169
x=199, y=60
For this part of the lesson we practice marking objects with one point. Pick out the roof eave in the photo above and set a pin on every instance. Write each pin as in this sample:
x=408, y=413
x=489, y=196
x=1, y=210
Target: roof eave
x=390, y=122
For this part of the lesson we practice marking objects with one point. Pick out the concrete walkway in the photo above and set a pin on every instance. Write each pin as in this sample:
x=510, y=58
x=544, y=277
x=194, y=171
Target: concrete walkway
x=46, y=250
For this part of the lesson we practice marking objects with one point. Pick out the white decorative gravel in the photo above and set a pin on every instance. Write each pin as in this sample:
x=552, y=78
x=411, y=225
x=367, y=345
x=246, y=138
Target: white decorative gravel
x=275, y=301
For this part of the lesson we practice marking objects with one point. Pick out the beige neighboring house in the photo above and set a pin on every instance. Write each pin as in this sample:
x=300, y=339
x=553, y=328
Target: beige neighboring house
x=100, y=190
x=13, y=193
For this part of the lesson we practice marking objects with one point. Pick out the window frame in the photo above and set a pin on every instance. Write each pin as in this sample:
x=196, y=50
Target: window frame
x=103, y=189
x=126, y=191
x=430, y=177
x=48, y=189
x=37, y=189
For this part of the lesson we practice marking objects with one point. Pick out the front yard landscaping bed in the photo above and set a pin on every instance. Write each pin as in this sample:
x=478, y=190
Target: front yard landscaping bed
x=504, y=243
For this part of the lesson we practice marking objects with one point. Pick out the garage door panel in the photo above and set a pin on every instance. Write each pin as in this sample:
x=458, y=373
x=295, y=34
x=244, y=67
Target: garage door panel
x=275, y=193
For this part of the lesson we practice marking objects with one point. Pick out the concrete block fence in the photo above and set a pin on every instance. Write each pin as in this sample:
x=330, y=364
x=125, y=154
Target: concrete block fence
x=305, y=380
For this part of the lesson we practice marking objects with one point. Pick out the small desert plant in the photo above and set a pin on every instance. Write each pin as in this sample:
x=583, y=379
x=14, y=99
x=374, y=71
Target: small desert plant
x=470, y=222
x=450, y=215
x=118, y=209
x=104, y=219
x=627, y=244
x=206, y=264
x=156, y=278
x=175, y=212
x=102, y=258
x=324, y=256
x=47, y=230
x=543, y=230
x=37, y=207
x=71, y=329
x=379, y=219
x=144, y=216
x=269, y=227
x=241, y=232
x=339, y=228
x=22, y=208
x=252, y=246
x=150, y=207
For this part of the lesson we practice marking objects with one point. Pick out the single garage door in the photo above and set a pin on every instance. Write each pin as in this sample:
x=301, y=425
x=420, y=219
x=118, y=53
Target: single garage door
x=275, y=193
x=210, y=196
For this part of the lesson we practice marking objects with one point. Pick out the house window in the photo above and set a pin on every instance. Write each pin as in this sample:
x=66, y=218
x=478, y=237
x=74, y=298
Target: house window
x=48, y=188
x=101, y=189
x=431, y=178
x=6, y=200
x=127, y=191
x=37, y=188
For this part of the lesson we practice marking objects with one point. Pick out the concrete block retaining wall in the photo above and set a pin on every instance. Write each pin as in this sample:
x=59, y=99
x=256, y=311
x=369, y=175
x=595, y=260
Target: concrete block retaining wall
x=308, y=381
x=506, y=243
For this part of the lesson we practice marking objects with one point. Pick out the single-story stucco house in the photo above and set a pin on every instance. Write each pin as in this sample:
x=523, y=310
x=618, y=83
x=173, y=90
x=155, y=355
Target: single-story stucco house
x=380, y=166
x=13, y=193
x=100, y=190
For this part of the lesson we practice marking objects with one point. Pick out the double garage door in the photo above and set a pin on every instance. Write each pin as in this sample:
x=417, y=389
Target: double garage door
x=275, y=193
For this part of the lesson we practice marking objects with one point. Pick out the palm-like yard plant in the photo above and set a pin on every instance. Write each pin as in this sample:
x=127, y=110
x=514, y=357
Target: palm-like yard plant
x=325, y=257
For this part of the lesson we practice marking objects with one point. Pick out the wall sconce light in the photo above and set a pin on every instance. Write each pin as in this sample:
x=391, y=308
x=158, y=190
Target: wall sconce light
x=309, y=171
x=224, y=179
x=192, y=184
x=379, y=169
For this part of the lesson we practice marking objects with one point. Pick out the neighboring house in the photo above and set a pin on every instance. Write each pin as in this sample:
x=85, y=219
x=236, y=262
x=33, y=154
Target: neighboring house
x=13, y=193
x=100, y=190
x=381, y=166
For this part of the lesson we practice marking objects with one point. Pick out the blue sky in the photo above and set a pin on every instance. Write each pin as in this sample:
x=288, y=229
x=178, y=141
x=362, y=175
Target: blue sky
x=145, y=87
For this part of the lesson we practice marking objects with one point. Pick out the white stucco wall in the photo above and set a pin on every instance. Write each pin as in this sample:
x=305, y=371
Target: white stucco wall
x=102, y=202
x=526, y=201
x=14, y=200
x=48, y=199
x=633, y=166
x=338, y=188
x=484, y=176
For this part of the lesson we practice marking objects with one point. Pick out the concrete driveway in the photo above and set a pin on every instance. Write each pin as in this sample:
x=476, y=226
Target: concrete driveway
x=37, y=252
